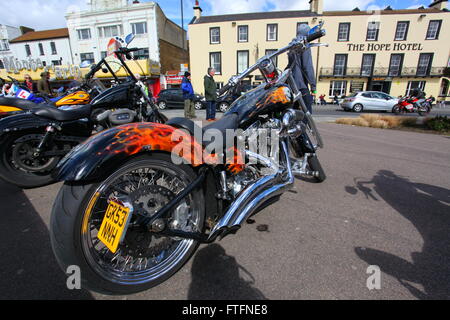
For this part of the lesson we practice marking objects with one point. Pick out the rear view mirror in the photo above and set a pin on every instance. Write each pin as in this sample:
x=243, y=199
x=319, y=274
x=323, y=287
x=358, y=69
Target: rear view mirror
x=129, y=38
x=104, y=70
x=85, y=64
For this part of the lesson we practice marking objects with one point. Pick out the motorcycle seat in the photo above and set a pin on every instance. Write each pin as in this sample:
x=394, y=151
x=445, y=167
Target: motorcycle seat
x=63, y=115
x=19, y=103
x=226, y=122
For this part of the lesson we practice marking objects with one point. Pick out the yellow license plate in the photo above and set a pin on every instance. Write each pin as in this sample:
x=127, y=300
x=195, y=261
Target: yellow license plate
x=113, y=225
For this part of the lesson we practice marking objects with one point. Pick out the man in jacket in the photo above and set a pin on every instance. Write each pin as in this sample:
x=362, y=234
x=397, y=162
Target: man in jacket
x=210, y=94
x=43, y=85
x=303, y=72
x=188, y=96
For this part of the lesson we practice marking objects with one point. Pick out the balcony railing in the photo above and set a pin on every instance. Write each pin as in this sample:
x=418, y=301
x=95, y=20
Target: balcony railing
x=382, y=72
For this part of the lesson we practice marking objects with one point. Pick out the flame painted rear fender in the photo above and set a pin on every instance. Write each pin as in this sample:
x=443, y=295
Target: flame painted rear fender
x=101, y=154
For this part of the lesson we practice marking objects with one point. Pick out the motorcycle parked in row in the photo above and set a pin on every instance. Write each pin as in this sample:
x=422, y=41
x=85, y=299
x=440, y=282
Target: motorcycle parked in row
x=32, y=143
x=409, y=105
x=22, y=100
x=134, y=207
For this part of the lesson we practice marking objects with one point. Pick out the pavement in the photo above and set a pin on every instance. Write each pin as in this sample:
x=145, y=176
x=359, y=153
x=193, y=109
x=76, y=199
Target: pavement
x=386, y=202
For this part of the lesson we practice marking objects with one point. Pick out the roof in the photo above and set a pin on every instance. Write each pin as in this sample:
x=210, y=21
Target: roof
x=256, y=16
x=382, y=12
x=42, y=35
x=303, y=13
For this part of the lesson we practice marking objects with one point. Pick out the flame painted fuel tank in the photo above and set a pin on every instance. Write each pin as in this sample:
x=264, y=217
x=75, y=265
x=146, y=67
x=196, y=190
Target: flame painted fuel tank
x=75, y=98
x=260, y=101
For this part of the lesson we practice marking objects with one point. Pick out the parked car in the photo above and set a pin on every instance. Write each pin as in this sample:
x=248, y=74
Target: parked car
x=369, y=100
x=224, y=101
x=174, y=98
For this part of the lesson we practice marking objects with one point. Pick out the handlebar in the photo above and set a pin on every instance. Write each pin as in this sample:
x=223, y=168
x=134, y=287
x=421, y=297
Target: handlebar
x=224, y=89
x=316, y=35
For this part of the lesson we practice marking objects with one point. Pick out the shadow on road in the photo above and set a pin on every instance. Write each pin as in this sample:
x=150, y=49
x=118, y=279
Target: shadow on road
x=28, y=267
x=427, y=207
x=217, y=276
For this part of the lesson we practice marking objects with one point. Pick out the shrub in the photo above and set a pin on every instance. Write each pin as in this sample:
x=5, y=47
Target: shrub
x=393, y=122
x=409, y=121
x=438, y=123
x=370, y=118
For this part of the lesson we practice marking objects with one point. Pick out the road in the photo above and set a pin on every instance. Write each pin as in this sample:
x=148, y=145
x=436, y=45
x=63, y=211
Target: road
x=386, y=202
x=321, y=113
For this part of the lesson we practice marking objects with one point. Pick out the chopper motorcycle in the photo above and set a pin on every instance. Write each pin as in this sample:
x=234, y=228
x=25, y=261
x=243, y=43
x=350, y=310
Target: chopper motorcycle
x=32, y=143
x=134, y=208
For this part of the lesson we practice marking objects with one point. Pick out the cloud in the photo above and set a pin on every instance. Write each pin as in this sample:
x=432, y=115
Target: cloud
x=37, y=14
x=218, y=7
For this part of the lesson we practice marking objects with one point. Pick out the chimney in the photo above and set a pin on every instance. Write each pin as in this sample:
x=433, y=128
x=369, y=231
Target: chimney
x=439, y=4
x=197, y=10
x=316, y=6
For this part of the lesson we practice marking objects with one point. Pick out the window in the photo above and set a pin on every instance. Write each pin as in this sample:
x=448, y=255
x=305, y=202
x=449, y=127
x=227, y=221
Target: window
x=242, y=33
x=274, y=59
x=103, y=54
x=395, y=66
x=299, y=24
x=272, y=32
x=53, y=48
x=41, y=49
x=433, y=29
x=368, y=61
x=139, y=28
x=340, y=64
x=87, y=57
x=424, y=65
x=110, y=31
x=344, y=31
x=413, y=85
x=338, y=87
x=401, y=33
x=141, y=54
x=84, y=34
x=373, y=29
x=242, y=61
x=4, y=45
x=444, y=88
x=215, y=61
x=214, y=35
x=56, y=62
x=28, y=50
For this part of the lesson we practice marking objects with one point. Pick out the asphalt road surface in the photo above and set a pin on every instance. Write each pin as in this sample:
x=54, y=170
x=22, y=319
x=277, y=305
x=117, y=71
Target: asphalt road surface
x=386, y=202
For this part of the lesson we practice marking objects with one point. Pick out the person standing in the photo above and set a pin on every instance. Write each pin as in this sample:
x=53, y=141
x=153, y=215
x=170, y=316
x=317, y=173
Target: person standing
x=210, y=94
x=29, y=83
x=303, y=71
x=43, y=85
x=188, y=96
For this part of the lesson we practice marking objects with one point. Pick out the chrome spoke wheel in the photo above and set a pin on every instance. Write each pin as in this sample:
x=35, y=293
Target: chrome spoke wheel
x=142, y=256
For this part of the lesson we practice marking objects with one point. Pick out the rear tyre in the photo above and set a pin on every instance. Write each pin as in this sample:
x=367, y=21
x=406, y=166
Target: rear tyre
x=223, y=107
x=162, y=105
x=314, y=165
x=18, y=167
x=198, y=105
x=358, y=107
x=144, y=259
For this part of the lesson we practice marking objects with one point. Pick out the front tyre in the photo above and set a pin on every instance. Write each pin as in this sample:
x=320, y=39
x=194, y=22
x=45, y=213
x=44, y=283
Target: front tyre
x=198, y=105
x=143, y=259
x=358, y=107
x=223, y=107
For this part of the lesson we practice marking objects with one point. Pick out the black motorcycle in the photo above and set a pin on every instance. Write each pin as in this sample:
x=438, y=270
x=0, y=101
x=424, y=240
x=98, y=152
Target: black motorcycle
x=32, y=143
x=138, y=199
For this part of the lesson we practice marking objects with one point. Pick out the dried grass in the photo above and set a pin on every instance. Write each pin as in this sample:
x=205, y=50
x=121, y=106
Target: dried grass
x=380, y=124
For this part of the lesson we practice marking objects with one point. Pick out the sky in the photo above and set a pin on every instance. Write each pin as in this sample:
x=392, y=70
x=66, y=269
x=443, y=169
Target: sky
x=49, y=14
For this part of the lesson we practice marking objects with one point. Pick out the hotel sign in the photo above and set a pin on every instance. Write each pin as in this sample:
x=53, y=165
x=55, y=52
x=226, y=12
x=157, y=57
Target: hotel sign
x=385, y=47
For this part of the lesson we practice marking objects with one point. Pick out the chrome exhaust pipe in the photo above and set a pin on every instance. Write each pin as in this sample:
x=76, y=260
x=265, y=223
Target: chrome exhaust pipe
x=255, y=195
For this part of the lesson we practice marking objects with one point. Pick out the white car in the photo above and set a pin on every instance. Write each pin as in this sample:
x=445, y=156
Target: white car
x=369, y=100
